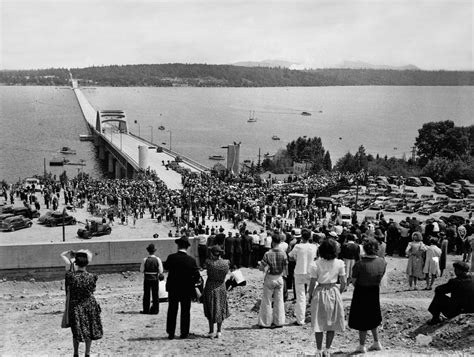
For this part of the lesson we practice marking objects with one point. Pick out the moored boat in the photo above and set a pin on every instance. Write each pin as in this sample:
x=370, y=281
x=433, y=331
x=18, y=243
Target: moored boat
x=275, y=137
x=306, y=113
x=252, y=118
x=58, y=161
x=67, y=150
x=216, y=157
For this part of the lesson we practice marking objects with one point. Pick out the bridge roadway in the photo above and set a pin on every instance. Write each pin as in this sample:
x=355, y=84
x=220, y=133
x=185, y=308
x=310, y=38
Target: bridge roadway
x=127, y=146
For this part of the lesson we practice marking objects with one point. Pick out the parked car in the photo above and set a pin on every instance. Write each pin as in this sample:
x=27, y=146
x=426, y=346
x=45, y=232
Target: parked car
x=453, y=207
x=394, y=205
x=468, y=190
x=94, y=228
x=57, y=219
x=413, y=181
x=16, y=222
x=430, y=207
x=380, y=203
x=26, y=212
x=412, y=205
x=6, y=209
x=410, y=195
x=426, y=197
x=453, y=192
x=440, y=187
x=427, y=181
x=4, y=216
x=42, y=219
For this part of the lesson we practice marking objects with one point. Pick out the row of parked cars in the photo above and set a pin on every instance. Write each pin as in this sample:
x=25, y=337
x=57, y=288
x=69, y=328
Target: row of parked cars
x=380, y=194
x=14, y=218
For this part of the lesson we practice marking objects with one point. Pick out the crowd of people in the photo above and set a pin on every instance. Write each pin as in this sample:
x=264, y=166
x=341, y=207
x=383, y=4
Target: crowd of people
x=302, y=246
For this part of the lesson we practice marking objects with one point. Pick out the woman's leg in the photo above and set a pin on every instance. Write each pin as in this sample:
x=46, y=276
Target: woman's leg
x=427, y=278
x=211, y=326
x=415, y=280
x=219, y=326
x=375, y=335
x=433, y=278
x=75, y=344
x=410, y=281
x=88, y=347
x=319, y=340
x=329, y=338
x=362, y=337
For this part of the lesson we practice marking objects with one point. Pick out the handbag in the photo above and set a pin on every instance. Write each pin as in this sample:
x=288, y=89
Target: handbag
x=198, y=289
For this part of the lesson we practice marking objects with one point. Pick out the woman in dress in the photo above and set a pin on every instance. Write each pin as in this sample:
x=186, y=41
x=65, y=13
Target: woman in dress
x=327, y=310
x=365, y=311
x=84, y=311
x=415, y=251
x=431, y=268
x=216, y=308
x=443, y=242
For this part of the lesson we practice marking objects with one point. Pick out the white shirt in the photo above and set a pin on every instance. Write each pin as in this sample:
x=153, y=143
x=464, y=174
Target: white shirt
x=283, y=246
x=327, y=271
x=303, y=254
x=255, y=239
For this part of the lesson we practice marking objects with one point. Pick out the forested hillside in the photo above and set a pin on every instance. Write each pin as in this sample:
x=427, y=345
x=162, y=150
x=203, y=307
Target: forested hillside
x=203, y=75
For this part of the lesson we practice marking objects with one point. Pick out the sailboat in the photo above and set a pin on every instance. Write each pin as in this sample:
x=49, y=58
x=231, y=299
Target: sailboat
x=252, y=118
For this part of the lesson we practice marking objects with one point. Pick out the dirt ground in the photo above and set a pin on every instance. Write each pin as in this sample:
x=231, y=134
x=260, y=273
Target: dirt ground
x=31, y=313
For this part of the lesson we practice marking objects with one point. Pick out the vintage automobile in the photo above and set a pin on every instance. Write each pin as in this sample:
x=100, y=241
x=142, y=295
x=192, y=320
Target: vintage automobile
x=427, y=181
x=16, y=222
x=412, y=205
x=25, y=212
x=6, y=209
x=94, y=228
x=4, y=216
x=394, y=205
x=380, y=203
x=453, y=207
x=440, y=187
x=413, y=181
x=42, y=219
x=57, y=219
x=430, y=207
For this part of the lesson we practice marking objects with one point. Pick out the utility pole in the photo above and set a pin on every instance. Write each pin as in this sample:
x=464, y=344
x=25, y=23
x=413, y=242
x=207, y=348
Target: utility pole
x=258, y=164
x=413, y=153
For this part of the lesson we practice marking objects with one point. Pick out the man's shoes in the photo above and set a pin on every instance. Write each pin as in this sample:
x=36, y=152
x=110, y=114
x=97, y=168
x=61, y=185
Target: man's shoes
x=360, y=349
x=277, y=326
x=184, y=336
x=170, y=337
x=376, y=347
x=210, y=335
x=144, y=312
x=296, y=323
x=219, y=335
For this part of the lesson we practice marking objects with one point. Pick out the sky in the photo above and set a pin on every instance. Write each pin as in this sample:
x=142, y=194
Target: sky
x=431, y=34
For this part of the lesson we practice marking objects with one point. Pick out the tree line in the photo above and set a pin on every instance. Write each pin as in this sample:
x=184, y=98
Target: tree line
x=205, y=75
x=444, y=152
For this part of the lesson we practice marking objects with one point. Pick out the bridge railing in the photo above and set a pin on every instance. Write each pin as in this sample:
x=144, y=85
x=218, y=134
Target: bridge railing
x=172, y=153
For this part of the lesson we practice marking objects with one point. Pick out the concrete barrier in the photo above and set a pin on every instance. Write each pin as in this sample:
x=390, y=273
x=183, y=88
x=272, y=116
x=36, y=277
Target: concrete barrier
x=106, y=253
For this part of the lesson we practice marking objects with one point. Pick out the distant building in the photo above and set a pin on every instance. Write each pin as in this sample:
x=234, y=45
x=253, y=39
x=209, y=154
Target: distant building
x=300, y=168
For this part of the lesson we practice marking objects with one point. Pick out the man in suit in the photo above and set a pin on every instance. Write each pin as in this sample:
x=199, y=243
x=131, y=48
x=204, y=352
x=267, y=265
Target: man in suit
x=183, y=274
x=462, y=295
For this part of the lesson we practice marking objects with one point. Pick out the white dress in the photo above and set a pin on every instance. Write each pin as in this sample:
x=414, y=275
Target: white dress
x=327, y=309
x=433, y=254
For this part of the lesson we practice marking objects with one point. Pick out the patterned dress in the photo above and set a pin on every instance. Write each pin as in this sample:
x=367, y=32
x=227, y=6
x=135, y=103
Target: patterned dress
x=216, y=308
x=415, y=252
x=84, y=311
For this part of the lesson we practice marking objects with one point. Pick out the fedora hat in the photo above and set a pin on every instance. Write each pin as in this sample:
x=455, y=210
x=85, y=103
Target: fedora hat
x=216, y=250
x=183, y=240
x=151, y=248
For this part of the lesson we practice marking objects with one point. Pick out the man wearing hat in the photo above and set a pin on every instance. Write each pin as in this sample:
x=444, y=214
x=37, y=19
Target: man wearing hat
x=151, y=268
x=183, y=274
x=461, y=289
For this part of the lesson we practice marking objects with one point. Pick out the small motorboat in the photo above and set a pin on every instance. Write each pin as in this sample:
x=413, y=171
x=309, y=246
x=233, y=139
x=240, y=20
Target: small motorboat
x=216, y=157
x=161, y=127
x=306, y=113
x=58, y=161
x=275, y=137
x=80, y=163
x=67, y=150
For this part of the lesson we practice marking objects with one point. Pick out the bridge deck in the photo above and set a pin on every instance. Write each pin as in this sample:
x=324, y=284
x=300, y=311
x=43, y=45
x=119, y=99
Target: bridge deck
x=128, y=145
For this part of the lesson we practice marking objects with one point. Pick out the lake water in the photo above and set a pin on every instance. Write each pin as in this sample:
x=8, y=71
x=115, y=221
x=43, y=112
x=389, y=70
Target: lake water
x=37, y=121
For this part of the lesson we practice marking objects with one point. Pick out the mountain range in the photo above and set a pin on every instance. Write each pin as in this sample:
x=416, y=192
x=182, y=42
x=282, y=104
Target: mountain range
x=345, y=64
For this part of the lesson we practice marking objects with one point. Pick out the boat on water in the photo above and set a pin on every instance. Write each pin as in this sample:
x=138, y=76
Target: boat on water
x=58, y=161
x=67, y=150
x=275, y=137
x=252, y=118
x=161, y=127
x=216, y=157
x=80, y=163
x=306, y=113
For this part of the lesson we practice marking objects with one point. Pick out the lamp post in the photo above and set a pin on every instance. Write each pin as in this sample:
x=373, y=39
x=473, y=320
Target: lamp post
x=151, y=133
x=136, y=122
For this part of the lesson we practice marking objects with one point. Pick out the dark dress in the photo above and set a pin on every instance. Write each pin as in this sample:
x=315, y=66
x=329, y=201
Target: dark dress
x=84, y=311
x=216, y=308
x=365, y=311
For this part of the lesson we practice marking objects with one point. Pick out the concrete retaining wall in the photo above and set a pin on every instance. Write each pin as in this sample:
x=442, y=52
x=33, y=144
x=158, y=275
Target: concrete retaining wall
x=37, y=256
